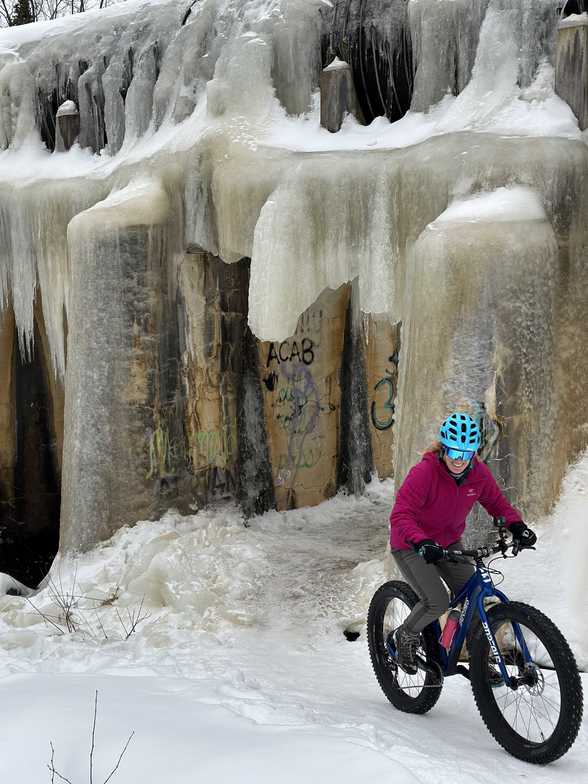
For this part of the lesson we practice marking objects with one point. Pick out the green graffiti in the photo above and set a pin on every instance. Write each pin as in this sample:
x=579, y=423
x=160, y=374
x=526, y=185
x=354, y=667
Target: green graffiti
x=386, y=420
x=160, y=453
x=211, y=447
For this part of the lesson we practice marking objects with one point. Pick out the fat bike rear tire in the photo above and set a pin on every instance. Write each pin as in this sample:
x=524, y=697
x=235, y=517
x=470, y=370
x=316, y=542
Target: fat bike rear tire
x=540, y=719
x=418, y=693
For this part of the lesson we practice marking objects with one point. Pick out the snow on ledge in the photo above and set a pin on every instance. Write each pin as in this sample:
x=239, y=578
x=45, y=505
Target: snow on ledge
x=12, y=38
x=67, y=108
x=574, y=20
x=337, y=65
x=143, y=202
x=515, y=203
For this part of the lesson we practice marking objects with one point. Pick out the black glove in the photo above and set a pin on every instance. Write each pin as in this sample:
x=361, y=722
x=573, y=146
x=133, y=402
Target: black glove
x=429, y=550
x=522, y=534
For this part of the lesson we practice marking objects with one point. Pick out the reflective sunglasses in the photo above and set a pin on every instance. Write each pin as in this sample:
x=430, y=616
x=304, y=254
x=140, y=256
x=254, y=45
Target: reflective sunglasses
x=459, y=454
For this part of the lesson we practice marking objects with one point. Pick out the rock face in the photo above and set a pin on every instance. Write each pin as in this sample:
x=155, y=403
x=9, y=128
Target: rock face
x=302, y=392
x=571, y=65
x=206, y=297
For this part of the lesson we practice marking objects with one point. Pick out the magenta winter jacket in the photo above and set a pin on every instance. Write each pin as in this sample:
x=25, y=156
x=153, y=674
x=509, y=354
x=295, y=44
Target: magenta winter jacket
x=431, y=505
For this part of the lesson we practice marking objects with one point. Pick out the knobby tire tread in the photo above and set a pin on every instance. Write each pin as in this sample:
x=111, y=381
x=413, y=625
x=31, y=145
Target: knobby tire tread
x=570, y=684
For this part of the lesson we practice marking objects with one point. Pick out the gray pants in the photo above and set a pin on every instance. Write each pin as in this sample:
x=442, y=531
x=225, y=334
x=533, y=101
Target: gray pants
x=426, y=580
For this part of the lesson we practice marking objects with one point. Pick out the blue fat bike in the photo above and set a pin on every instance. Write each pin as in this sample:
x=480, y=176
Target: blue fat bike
x=523, y=674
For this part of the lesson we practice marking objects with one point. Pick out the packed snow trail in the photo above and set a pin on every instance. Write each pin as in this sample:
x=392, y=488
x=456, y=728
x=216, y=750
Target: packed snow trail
x=311, y=561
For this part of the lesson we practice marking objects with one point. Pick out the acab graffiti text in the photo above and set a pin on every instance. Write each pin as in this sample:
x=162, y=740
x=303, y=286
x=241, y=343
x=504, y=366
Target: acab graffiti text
x=290, y=351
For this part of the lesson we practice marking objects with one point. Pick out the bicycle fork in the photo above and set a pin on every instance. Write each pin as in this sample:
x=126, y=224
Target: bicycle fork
x=511, y=681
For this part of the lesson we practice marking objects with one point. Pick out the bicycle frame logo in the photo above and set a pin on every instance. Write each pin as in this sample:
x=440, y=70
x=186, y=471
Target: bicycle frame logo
x=490, y=638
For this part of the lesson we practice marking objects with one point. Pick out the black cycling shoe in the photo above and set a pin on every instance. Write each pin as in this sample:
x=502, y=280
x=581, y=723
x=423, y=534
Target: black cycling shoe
x=407, y=644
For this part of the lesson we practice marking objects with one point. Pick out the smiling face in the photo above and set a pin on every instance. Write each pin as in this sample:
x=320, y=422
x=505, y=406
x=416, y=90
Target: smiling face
x=455, y=466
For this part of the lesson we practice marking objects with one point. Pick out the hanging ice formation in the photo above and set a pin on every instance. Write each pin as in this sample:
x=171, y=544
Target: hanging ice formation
x=201, y=195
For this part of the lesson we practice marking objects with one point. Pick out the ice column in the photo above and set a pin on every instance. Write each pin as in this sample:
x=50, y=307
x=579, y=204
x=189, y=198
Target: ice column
x=116, y=437
x=17, y=104
x=445, y=35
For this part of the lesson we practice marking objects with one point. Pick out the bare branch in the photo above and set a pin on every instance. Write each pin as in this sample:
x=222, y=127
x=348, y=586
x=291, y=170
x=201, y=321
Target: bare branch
x=46, y=618
x=122, y=623
x=54, y=772
x=93, y=737
x=101, y=625
x=135, y=617
x=4, y=12
x=52, y=769
x=106, y=780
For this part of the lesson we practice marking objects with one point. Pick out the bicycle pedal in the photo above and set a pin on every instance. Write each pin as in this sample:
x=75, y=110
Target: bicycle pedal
x=436, y=671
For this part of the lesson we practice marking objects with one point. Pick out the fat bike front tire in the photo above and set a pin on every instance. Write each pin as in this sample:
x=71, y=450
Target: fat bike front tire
x=539, y=720
x=390, y=605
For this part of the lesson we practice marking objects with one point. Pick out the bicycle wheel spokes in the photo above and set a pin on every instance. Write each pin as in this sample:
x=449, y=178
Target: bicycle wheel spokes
x=396, y=613
x=389, y=608
x=533, y=708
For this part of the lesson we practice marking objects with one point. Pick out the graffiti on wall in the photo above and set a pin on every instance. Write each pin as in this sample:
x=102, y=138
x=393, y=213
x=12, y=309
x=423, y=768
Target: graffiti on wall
x=211, y=447
x=166, y=452
x=297, y=405
x=382, y=406
x=290, y=351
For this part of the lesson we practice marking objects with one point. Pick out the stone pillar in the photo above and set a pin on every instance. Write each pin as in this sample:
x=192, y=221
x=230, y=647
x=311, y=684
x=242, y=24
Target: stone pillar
x=121, y=460
x=224, y=413
x=338, y=96
x=382, y=349
x=255, y=486
x=91, y=105
x=210, y=399
x=571, y=65
x=68, y=122
x=355, y=463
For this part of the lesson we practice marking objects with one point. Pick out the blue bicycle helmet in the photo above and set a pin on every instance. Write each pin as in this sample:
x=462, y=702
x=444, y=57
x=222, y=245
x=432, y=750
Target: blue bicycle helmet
x=460, y=432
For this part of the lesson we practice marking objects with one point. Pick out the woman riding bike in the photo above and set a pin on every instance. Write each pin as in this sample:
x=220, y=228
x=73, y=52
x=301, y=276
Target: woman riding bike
x=429, y=514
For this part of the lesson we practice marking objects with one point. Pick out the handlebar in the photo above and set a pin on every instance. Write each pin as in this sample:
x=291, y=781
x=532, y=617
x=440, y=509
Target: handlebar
x=480, y=552
x=501, y=546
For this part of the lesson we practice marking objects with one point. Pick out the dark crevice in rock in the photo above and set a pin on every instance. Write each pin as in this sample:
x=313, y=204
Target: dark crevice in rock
x=254, y=481
x=569, y=7
x=29, y=526
x=374, y=38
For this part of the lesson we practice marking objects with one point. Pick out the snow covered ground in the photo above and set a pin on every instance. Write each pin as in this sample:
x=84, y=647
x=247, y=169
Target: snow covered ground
x=242, y=672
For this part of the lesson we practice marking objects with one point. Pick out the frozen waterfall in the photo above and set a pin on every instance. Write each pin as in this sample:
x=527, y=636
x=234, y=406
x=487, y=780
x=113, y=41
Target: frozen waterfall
x=193, y=263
